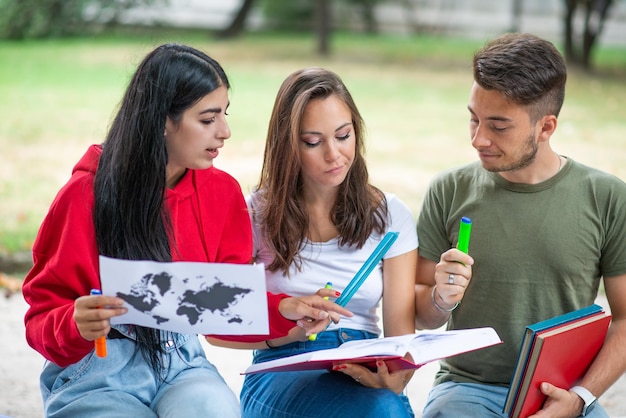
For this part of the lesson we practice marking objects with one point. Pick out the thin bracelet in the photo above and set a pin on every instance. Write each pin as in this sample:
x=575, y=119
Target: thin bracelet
x=432, y=296
x=267, y=343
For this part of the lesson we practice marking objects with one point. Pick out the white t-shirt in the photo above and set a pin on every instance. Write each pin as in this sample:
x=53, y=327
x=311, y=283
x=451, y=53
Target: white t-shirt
x=328, y=262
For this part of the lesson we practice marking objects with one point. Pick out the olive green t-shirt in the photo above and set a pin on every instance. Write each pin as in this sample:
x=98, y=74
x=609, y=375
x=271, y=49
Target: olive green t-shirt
x=539, y=250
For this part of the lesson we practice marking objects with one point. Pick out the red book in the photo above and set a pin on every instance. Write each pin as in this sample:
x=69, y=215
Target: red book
x=560, y=355
x=528, y=340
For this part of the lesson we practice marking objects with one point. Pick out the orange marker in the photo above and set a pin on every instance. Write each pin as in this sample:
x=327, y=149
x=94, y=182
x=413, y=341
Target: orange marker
x=100, y=343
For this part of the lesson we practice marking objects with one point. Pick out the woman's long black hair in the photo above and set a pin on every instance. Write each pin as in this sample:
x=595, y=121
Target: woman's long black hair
x=130, y=219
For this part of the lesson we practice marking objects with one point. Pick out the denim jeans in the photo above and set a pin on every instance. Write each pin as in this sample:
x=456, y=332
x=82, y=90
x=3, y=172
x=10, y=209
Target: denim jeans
x=316, y=393
x=456, y=400
x=123, y=384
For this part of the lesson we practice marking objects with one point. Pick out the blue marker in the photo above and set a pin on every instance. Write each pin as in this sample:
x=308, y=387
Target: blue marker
x=365, y=270
x=377, y=255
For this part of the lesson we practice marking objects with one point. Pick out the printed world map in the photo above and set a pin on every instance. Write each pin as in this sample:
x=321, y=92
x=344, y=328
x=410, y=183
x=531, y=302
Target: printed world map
x=189, y=297
x=215, y=298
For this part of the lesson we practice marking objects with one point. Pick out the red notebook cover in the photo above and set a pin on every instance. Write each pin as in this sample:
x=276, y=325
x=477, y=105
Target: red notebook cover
x=393, y=363
x=560, y=356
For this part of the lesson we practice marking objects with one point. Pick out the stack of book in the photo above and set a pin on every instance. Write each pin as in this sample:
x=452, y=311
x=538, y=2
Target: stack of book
x=559, y=351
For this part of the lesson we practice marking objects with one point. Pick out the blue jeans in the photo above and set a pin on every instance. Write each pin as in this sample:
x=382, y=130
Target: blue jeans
x=123, y=384
x=455, y=400
x=316, y=393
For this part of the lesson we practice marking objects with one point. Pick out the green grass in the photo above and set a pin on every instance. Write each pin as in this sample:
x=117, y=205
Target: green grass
x=58, y=97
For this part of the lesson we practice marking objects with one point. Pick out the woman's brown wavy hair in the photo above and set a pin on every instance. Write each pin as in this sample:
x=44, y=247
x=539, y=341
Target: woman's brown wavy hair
x=360, y=208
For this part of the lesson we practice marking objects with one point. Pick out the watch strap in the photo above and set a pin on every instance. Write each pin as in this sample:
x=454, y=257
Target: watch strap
x=587, y=398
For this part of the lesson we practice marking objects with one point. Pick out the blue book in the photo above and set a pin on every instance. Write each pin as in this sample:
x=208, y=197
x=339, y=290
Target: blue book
x=527, y=343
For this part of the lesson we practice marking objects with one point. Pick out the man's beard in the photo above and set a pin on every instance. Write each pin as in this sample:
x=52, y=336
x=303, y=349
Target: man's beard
x=525, y=160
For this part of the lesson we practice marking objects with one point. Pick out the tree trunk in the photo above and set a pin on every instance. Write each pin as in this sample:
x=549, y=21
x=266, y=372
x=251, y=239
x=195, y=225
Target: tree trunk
x=323, y=26
x=516, y=15
x=238, y=24
x=368, y=13
x=596, y=12
x=570, y=11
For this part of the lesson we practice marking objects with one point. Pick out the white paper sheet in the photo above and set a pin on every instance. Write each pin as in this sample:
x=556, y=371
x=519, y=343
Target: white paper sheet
x=189, y=297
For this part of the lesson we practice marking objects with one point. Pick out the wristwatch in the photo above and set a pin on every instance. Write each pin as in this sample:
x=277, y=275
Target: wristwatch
x=587, y=397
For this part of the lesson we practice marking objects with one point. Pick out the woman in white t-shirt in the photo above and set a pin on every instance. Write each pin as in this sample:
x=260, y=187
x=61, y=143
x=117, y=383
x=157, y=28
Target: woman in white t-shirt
x=316, y=219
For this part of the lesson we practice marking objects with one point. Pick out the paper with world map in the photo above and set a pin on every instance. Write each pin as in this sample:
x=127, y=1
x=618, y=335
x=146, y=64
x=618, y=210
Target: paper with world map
x=189, y=297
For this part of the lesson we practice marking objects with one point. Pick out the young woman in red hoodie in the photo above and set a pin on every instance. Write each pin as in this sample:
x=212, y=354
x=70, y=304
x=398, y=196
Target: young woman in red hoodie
x=149, y=192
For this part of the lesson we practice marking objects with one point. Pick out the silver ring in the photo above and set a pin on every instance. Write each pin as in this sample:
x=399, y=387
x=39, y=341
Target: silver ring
x=451, y=278
x=358, y=379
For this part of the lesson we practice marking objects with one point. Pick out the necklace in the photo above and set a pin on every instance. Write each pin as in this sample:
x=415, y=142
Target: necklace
x=560, y=162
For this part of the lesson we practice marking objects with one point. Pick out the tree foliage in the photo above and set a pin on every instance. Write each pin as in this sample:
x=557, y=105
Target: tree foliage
x=40, y=18
x=23, y=19
x=292, y=15
x=317, y=16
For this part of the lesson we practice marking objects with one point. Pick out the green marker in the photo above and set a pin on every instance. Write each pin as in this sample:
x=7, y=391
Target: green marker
x=329, y=285
x=464, y=234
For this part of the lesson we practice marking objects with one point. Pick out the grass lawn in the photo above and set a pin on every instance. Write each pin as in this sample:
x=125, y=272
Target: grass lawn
x=59, y=96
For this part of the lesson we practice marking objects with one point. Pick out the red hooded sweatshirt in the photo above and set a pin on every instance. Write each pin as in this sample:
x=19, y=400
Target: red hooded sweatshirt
x=210, y=224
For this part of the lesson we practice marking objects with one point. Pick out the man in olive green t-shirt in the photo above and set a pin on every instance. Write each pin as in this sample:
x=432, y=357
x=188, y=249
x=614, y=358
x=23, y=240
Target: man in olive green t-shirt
x=546, y=230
